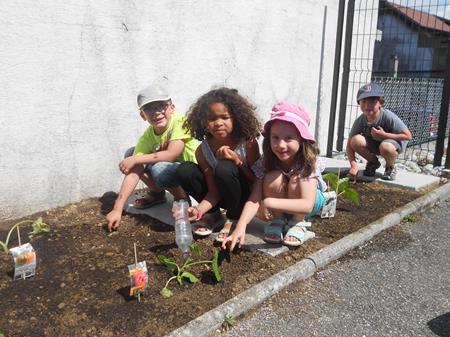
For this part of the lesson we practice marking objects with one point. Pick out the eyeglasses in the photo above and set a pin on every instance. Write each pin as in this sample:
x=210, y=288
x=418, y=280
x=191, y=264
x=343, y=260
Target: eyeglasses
x=154, y=108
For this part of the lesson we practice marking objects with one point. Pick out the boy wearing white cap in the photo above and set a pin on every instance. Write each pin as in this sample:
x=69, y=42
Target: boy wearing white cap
x=159, y=151
x=378, y=131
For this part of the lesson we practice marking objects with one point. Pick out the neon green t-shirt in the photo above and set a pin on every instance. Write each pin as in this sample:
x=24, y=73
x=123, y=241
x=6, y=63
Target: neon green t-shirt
x=151, y=143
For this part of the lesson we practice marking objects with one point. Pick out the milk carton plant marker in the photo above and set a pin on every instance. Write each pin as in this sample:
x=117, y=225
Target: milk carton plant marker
x=24, y=255
x=181, y=271
x=38, y=226
x=341, y=187
x=138, y=276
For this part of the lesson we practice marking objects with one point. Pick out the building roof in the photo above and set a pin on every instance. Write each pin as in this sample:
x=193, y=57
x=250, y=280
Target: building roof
x=423, y=19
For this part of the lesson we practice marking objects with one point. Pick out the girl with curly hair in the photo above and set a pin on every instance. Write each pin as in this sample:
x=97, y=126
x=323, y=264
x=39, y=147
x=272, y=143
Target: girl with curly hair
x=289, y=185
x=227, y=125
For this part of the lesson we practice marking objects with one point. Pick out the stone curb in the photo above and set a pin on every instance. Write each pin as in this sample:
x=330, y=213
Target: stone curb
x=209, y=322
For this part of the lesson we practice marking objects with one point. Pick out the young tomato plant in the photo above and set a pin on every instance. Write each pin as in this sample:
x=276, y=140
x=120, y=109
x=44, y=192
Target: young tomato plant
x=38, y=226
x=340, y=185
x=181, y=271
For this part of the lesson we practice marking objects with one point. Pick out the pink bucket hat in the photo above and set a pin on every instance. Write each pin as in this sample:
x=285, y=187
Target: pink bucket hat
x=293, y=113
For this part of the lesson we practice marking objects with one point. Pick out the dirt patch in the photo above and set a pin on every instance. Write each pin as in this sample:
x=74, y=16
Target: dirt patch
x=81, y=284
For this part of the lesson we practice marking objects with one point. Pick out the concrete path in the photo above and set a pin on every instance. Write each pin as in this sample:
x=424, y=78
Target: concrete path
x=404, y=179
x=396, y=285
x=254, y=237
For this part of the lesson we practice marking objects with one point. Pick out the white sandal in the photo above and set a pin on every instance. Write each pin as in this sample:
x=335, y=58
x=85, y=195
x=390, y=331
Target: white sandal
x=298, y=230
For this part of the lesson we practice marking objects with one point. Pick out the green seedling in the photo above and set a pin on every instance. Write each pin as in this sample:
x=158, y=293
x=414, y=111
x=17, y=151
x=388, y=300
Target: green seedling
x=411, y=217
x=228, y=322
x=340, y=185
x=38, y=226
x=181, y=271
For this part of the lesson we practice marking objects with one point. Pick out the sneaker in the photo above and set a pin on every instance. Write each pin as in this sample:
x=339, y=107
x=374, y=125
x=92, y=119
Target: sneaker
x=371, y=168
x=389, y=173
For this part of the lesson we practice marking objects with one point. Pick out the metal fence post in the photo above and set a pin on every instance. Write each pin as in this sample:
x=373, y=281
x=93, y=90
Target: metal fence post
x=346, y=73
x=447, y=158
x=336, y=71
x=443, y=115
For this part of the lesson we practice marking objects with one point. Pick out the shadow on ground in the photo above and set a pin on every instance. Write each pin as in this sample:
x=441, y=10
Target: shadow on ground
x=440, y=325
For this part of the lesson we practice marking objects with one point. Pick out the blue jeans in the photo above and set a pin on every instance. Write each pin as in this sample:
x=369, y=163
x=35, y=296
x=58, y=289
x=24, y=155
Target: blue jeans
x=163, y=173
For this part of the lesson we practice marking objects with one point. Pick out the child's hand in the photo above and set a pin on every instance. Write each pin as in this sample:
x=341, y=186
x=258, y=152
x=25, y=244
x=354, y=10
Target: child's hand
x=264, y=213
x=127, y=164
x=237, y=237
x=113, y=219
x=224, y=152
x=353, y=172
x=378, y=132
x=193, y=213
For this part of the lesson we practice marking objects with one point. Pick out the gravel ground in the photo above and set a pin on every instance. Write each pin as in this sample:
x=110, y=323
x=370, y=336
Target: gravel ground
x=396, y=285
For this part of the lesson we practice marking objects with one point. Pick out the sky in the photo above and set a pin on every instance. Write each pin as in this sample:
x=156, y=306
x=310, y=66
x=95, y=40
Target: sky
x=437, y=7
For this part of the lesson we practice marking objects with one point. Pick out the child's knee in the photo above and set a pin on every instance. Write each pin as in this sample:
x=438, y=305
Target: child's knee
x=186, y=170
x=358, y=142
x=164, y=174
x=273, y=177
x=274, y=182
x=388, y=149
x=225, y=169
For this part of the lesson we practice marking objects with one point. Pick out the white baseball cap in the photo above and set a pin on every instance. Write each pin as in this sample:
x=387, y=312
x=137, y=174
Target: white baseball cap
x=152, y=93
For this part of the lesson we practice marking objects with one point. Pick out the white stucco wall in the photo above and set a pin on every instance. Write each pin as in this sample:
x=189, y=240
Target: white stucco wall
x=71, y=71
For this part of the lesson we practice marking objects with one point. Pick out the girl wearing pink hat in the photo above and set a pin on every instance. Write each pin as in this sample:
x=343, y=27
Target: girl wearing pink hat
x=289, y=187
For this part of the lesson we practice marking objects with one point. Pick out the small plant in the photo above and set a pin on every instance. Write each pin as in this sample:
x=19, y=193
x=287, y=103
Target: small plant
x=181, y=271
x=228, y=322
x=38, y=226
x=413, y=217
x=340, y=185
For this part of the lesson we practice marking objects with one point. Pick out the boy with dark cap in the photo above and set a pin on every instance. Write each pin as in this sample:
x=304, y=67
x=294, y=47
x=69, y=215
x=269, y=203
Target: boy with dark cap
x=378, y=131
x=159, y=151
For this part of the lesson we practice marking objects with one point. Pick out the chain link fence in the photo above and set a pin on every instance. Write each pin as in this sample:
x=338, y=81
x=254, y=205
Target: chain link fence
x=417, y=102
x=403, y=45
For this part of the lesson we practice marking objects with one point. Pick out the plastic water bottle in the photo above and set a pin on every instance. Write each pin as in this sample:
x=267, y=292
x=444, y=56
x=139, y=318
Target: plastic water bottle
x=183, y=228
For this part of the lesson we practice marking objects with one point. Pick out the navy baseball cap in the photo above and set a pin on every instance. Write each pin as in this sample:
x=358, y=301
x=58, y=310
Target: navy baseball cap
x=369, y=90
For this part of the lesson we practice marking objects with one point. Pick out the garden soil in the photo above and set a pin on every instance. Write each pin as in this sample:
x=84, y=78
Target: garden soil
x=81, y=286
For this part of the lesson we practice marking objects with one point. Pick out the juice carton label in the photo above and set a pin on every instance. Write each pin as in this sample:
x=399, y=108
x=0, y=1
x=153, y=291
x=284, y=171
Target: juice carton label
x=24, y=261
x=329, y=208
x=138, y=278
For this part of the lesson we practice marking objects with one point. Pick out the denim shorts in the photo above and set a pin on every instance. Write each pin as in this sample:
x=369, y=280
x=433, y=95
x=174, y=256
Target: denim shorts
x=318, y=204
x=163, y=173
x=374, y=146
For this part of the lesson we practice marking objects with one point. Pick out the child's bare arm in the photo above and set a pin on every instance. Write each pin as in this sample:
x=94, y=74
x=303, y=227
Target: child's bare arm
x=173, y=151
x=351, y=158
x=212, y=197
x=380, y=133
x=252, y=156
x=249, y=211
x=128, y=185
